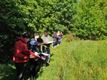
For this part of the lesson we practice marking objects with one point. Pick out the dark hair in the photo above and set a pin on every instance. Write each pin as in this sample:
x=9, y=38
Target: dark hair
x=46, y=30
x=39, y=40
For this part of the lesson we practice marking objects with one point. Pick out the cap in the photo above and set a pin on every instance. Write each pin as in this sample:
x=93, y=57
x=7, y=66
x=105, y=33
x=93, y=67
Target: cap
x=25, y=34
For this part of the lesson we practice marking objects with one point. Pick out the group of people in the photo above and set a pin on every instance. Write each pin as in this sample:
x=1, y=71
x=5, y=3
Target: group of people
x=26, y=49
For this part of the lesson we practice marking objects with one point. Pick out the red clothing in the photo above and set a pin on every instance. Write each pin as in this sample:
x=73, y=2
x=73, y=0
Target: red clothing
x=21, y=53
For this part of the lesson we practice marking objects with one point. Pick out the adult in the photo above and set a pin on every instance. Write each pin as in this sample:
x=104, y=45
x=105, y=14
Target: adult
x=47, y=39
x=55, y=39
x=59, y=37
x=21, y=55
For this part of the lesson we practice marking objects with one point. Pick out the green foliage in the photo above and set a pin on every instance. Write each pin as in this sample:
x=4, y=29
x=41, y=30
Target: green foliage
x=56, y=15
x=89, y=22
x=34, y=15
x=17, y=16
x=87, y=19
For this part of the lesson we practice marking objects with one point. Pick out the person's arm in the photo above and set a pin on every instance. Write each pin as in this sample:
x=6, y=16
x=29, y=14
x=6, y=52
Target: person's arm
x=29, y=52
x=34, y=55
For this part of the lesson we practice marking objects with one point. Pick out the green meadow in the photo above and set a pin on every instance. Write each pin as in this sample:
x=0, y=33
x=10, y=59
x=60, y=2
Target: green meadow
x=76, y=60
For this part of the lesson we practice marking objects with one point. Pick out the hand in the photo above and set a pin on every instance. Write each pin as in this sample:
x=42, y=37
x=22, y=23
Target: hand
x=32, y=56
x=37, y=54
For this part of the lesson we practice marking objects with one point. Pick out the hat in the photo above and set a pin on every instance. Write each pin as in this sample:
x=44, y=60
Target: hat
x=25, y=34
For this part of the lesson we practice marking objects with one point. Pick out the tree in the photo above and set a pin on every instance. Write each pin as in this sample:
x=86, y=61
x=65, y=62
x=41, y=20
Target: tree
x=89, y=21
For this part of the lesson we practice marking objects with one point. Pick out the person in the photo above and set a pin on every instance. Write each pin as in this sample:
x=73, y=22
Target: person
x=47, y=39
x=36, y=65
x=33, y=42
x=33, y=47
x=21, y=55
x=59, y=37
x=55, y=39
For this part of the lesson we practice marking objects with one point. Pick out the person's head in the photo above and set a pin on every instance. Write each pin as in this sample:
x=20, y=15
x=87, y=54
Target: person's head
x=46, y=33
x=54, y=32
x=39, y=40
x=25, y=35
x=36, y=35
x=58, y=33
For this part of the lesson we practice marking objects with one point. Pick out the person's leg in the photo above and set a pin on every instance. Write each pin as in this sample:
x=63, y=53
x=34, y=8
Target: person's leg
x=19, y=70
x=26, y=71
x=33, y=65
x=48, y=57
x=59, y=42
x=55, y=43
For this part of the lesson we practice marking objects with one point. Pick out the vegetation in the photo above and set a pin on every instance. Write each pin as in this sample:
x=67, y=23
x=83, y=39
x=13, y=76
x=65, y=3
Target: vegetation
x=90, y=21
x=76, y=60
x=84, y=19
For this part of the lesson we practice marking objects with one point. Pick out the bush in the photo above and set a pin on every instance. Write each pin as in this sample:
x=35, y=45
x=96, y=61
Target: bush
x=69, y=37
x=89, y=20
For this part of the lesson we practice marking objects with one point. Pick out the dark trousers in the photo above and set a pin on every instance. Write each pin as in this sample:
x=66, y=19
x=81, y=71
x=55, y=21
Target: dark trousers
x=20, y=68
x=32, y=66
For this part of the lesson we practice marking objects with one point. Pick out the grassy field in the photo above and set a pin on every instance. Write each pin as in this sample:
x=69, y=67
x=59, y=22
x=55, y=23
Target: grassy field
x=76, y=60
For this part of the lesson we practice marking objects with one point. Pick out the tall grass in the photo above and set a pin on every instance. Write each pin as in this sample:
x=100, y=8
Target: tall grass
x=77, y=60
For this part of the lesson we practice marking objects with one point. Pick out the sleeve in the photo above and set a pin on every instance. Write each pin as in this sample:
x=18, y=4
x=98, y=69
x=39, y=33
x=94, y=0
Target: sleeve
x=25, y=50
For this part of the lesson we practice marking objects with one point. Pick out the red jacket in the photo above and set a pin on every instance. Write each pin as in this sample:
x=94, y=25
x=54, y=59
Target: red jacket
x=21, y=53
